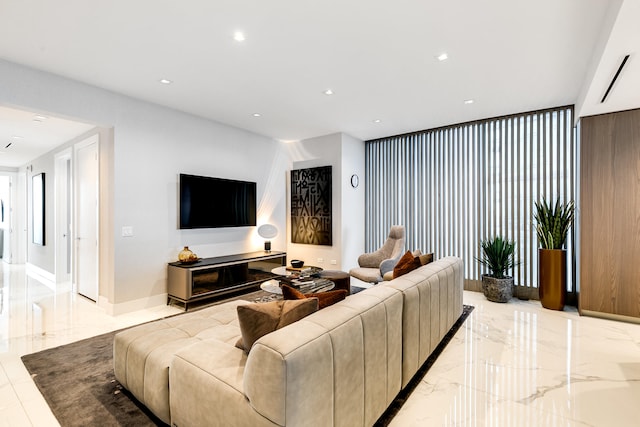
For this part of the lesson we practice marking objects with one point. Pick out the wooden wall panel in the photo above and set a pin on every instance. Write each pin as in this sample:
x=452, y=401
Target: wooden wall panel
x=610, y=214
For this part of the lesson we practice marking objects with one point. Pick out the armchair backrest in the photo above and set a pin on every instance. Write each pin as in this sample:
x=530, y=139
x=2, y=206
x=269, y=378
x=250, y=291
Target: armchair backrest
x=394, y=245
x=392, y=249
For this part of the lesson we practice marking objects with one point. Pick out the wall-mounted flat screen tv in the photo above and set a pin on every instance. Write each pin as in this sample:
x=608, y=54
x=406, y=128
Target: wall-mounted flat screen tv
x=214, y=202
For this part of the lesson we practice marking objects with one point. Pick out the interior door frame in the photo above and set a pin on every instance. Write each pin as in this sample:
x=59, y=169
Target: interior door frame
x=76, y=213
x=63, y=202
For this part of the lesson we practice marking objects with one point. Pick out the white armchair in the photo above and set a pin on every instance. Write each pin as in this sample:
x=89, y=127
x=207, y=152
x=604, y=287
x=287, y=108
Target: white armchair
x=373, y=265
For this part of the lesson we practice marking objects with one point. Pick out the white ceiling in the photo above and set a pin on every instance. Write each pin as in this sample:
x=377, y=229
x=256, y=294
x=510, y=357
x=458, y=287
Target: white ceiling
x=378, y=57
x=25, y=135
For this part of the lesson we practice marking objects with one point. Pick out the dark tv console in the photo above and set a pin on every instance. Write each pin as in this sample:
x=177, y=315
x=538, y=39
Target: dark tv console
x=211, y=277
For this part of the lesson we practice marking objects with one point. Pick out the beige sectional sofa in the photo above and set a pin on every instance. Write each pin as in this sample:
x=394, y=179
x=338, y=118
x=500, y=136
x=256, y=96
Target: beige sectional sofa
x=340, y=366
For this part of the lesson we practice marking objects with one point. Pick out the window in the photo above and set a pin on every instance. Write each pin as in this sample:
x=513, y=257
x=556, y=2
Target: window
x=452, y=187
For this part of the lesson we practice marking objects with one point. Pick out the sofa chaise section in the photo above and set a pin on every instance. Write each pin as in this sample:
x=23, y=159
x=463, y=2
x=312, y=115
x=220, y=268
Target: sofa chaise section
x=141, y=355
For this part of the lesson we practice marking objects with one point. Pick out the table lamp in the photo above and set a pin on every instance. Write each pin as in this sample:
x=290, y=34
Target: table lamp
x=267, y=231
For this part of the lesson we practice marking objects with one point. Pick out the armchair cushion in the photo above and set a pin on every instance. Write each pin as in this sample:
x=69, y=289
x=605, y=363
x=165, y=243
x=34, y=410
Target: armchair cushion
x=426, y=258
x=389, y=264
x=371, y=275
x=371, y=260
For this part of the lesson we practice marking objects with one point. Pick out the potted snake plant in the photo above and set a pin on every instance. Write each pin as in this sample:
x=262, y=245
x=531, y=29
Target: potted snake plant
x=498, y=257
x=552, y=226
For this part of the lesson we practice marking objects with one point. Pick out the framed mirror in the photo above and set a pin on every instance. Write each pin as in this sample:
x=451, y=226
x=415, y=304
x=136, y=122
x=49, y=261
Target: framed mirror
x=37, y=212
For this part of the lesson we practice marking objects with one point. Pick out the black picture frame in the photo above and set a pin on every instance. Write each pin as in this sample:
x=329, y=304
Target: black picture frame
x=38, y=209
x=311, y=210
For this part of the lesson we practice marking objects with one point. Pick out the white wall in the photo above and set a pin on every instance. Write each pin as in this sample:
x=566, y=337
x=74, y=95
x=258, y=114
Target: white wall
x=353, y=203
x=310, y=153
x=38, y=255
x=346, y=156
x=151, y=146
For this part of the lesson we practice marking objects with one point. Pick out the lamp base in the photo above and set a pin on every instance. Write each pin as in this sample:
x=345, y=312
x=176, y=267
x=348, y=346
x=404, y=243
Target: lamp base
x=267, y=246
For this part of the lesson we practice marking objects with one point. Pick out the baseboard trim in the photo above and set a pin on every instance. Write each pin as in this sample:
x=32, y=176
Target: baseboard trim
x=610, y=316
x=43, y=276
x=131, y=306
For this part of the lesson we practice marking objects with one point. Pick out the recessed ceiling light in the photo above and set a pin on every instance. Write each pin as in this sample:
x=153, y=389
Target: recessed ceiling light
x=256, y=114
x=165, y=81
x=377, y=121
x=468, y=101
x=41, y=118
x=328, y=92
x=17, y=137
x=238, y=36
x=37, y=121
x=442, y=57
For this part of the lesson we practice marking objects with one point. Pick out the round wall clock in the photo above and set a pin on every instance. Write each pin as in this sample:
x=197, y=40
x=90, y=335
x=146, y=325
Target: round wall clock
x=355, y=181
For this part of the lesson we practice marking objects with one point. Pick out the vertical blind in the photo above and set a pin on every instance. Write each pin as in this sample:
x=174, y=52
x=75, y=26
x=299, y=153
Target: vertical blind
x=452, y=187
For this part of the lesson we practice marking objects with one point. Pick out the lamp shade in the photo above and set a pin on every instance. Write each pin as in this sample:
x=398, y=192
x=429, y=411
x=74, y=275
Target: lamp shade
x=267, y=231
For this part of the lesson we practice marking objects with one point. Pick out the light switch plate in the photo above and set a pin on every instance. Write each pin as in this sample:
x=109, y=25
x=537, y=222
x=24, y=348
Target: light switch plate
x=127, y=231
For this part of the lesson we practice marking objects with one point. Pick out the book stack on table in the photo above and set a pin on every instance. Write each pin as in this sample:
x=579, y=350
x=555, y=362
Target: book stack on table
x=308, y=285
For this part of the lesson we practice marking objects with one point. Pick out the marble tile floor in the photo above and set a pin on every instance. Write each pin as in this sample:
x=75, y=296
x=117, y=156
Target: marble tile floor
x=33, y=317
x=514, y=364
x=518, y=364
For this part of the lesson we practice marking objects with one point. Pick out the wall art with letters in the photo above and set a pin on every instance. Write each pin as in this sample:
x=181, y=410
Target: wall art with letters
x=311, y=206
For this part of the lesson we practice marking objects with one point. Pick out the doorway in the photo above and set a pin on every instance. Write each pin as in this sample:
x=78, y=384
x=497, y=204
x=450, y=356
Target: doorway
x=86, y=174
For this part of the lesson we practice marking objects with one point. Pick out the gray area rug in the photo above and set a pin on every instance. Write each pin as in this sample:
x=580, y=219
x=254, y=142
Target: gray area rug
x=78, y=383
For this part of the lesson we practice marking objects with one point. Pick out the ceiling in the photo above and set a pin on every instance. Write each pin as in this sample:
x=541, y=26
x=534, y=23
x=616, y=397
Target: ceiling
x=25, y=135
x=378, y=58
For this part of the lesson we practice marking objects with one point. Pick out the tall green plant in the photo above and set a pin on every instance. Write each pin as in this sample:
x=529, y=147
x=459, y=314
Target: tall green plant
x=553, y=223
x=498, y=256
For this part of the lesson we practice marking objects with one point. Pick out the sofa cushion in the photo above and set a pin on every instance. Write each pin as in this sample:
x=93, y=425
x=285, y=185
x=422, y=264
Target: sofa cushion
x=425, y=258
x=142, y=354
x=407, y=263
x=259, y=319
x=325, y=299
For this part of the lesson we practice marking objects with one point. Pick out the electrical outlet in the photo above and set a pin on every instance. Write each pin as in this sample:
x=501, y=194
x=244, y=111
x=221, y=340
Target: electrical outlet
x=127, y=231
x=334, y=262
x=320, y=260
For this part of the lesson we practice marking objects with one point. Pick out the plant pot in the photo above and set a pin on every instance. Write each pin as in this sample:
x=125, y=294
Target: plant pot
x=497, y=290
x=552, y=278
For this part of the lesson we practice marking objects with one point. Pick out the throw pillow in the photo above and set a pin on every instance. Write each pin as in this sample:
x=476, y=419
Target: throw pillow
x=325, y=299
x=259, y=319
x=426, y=259
x=406, y=264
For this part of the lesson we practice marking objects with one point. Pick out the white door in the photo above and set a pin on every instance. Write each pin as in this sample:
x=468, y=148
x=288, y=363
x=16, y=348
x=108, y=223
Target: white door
x=63, y=216
x=86, y=220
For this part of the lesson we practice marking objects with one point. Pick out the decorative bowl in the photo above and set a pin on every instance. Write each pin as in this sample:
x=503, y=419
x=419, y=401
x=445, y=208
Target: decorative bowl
x=296, y=263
